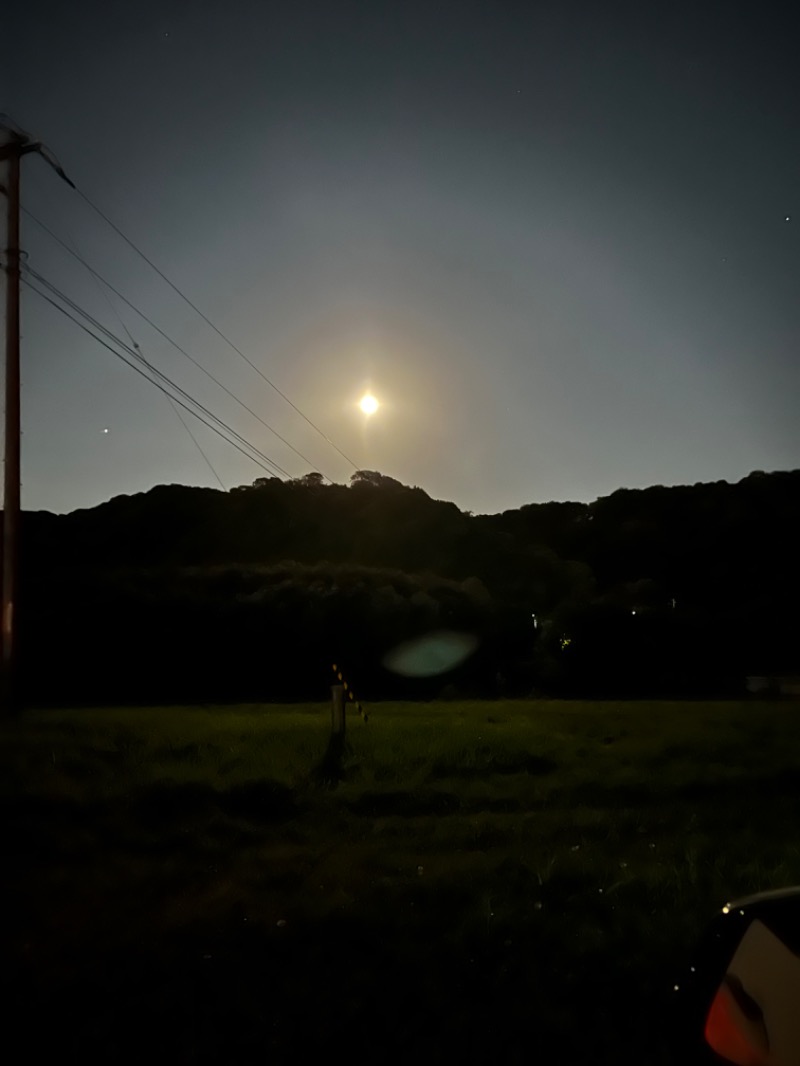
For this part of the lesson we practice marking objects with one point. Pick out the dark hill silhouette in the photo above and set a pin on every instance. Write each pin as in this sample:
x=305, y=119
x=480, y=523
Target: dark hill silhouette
x=706, y=542
x=174, y=593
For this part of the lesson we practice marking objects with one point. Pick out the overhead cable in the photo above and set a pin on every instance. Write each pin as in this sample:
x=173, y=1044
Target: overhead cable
x=254, y=454
x=208, y=321
x=169, y=399
x=98, y=276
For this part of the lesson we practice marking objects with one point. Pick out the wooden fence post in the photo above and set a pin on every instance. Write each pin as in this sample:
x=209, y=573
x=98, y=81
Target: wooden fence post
x=337, y=710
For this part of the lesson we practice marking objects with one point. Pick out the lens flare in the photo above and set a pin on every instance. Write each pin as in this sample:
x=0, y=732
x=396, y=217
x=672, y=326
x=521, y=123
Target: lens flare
x=432, y=654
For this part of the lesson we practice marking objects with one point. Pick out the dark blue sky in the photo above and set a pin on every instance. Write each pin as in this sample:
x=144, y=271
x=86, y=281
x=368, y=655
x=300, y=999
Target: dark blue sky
x=551, y=238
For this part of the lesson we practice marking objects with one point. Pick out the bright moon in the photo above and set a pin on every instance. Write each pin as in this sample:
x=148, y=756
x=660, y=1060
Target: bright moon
x=368, y=404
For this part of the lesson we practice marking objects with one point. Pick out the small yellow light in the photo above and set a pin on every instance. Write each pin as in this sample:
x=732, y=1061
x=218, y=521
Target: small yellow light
x=368, y=404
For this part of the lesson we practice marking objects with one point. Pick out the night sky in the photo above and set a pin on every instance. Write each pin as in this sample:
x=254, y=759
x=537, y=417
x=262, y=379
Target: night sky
x=556, y=240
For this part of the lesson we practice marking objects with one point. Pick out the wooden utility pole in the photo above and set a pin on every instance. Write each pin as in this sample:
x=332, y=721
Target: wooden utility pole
x=14, y=144
x=12, y=153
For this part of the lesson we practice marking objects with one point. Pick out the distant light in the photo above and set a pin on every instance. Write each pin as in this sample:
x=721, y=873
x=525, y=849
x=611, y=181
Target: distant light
x=106, y=429
x=788, y=218
x=726, y=909
x=633, y=612
x=368, y=404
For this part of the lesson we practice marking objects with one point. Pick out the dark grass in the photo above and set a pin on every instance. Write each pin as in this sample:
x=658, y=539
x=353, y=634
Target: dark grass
x=473, y=882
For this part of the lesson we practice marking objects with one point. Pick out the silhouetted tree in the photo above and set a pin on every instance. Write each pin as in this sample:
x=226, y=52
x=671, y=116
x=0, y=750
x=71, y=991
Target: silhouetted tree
x=196, y=593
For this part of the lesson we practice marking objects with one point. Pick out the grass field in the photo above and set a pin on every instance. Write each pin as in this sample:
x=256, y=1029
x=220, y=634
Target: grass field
x=490, y=882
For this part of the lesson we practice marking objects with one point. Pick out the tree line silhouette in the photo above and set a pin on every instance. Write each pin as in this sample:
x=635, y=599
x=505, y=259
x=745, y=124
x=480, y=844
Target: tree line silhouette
x=197, y=594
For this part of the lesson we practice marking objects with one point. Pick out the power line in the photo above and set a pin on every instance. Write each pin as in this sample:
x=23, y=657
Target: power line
x=205, y=318
x=139, y=371
x=169, y=399
x=196, y=443
x=136, y=354
x=255, y=458
x=98, y=276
